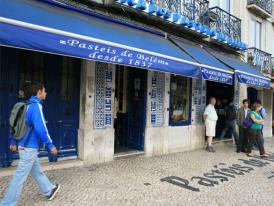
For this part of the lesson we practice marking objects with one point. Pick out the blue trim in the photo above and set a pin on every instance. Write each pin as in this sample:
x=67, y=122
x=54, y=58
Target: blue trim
x=55, y=3
x=223, y=75
x=244, y=72
x=58, y=44
x=185, y=123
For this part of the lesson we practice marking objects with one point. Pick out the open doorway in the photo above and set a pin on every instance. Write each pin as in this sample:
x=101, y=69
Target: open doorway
x=130, y=109
x=224, y=94
x=252, y=95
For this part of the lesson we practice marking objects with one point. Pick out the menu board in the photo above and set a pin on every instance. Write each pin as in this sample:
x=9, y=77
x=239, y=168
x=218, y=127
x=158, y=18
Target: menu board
x=157, y=99
x=198, y=100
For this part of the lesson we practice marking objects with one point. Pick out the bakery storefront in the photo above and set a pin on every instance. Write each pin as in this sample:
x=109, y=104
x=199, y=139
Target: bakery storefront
x=127, y=89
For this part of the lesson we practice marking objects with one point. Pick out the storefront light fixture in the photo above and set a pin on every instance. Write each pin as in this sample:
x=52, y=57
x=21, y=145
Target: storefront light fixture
x=191, y=24
x=197, y=26
x=166, y=14
x=131, y=2
x=151, y=8
x=184, y=21
x=203, y=29
x=160, y=11
x=142, y=5
x=174, y=17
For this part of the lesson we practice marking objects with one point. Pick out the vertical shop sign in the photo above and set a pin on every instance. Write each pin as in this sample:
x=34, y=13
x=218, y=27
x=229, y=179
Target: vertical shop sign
x=103, y=96
x=236, y=93
x=198, y=100
x=157, y=99
x=108, y=97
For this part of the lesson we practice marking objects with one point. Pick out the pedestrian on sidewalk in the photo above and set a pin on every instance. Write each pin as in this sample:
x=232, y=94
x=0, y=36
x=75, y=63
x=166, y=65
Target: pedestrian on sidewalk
x=28, y=151
x=263, y=114
x=254, y=132
x=230, y=123
x=210, y=117
x=242, y=114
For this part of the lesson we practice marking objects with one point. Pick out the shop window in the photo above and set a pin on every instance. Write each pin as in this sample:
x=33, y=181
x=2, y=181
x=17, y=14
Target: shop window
x=31, y=70
x=179, y=101
x=121, y=88
x=255, y=34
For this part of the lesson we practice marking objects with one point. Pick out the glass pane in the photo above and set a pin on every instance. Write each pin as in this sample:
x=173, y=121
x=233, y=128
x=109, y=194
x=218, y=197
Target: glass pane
x=213, y=3
x=120, y=88
x=252, y=33
x=179, y=99
x=31, y=70
x=224, y=4
x=258, y=35
x=67, y=79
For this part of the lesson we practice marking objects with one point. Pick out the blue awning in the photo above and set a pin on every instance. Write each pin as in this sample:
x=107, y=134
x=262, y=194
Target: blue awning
x=211, y=68
x=245, y=73
x=41, y=26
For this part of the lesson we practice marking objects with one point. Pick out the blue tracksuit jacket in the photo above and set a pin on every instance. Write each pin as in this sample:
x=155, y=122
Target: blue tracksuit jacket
x=36, y=118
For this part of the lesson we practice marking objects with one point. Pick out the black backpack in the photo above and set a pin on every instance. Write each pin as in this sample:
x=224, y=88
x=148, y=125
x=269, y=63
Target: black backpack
x=231, y=113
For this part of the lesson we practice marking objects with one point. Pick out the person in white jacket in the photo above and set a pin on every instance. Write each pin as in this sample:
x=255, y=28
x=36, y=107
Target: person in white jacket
x=210, y=117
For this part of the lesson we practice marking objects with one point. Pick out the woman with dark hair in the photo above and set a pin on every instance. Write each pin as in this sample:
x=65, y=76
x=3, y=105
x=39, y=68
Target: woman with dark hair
x=255, y=134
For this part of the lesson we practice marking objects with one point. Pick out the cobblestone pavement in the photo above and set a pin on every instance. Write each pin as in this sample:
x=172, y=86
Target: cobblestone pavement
x=162, y=180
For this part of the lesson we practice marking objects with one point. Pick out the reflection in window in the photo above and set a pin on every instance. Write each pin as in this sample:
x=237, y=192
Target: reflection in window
x=179, y=99
x=67, y=78
x=120, y=91
x=31, y=70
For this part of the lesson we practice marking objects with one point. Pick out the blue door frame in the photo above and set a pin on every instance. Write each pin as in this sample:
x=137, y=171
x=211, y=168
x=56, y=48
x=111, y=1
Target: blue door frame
x=61, y=113
x=137, y=108
x=8, y=96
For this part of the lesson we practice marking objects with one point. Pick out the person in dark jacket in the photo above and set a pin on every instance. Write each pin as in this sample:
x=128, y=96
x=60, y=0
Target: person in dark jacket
x=242, y=114
x=28, y=151
x=230, y=118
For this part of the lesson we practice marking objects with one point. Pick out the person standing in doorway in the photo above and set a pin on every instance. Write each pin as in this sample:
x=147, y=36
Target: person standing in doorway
x=221, y=116
x=230, y=123
x=210, y=117
x=254, y=133
x=116, y=108
x=242, y=114
x=28, y=151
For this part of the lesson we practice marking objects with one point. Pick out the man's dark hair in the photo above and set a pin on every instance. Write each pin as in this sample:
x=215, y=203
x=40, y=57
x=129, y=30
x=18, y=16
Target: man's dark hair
x=245, y=101
x=258, y=101
x=35, y=87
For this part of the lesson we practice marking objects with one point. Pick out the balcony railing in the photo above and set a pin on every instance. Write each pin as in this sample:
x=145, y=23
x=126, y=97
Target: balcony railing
x=192, y=9
x=224, y=22
x=260, y=59
x=266, y=5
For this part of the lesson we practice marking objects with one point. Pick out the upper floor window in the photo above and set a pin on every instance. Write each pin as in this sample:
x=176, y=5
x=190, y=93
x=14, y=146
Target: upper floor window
x=223, y=4
x=255, y=34
x=179, y=100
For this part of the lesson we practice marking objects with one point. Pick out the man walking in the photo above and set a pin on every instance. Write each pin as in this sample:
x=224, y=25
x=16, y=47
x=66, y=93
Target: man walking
x=230, y=123
x=28, y=151
x=210, y=117
x=243, y=131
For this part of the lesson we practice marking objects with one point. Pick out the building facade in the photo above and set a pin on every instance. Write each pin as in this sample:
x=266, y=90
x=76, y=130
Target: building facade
x=257, y=32
x=130, y=83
